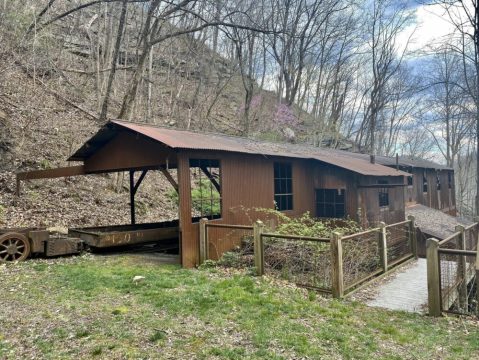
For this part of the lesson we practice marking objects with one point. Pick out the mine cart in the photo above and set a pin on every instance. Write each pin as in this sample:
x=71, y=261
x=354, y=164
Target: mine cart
x=17, y=244
x=124, y=235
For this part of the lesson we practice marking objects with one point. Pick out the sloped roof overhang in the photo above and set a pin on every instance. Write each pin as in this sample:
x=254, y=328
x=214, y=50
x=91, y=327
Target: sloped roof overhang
x=190, y=140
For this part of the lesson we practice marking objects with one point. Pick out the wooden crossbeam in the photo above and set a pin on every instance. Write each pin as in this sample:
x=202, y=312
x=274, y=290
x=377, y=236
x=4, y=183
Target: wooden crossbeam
x=211, y=178
x=48, y=174
x=169, y=178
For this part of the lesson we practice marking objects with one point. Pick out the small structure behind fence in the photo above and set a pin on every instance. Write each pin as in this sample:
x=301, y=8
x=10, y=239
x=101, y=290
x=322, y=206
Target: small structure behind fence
x=452, y=267
x=335, y=265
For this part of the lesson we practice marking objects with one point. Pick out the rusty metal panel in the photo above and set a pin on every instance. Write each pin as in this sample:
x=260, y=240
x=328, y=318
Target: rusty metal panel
x=188, y=140
x=128, y=151
x=56, y=246
x=111, y=236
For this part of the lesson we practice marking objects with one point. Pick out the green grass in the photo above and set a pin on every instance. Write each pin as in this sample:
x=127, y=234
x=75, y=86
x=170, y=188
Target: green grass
x=89, y=307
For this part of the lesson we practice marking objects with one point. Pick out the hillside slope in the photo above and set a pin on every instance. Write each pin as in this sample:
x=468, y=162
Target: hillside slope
x=49, y=106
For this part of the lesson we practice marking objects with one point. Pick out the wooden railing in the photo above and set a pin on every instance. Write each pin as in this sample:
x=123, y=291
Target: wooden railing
x=452, y=267
x=335, y=265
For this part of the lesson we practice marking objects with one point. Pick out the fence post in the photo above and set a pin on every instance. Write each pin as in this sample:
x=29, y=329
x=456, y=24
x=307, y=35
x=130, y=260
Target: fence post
x=203, y=241
x=462, y=267
x=383, y=246
x=258, y=247
x=413, y=235
x=433, y=280
x=337, y=265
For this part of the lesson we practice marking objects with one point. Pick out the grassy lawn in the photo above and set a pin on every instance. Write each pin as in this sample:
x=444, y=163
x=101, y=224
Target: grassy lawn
x=89, y=307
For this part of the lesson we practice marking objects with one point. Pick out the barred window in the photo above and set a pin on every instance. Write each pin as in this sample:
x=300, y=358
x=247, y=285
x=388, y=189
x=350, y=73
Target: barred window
x=330, y=203
x=205, y=188
x=283, y=186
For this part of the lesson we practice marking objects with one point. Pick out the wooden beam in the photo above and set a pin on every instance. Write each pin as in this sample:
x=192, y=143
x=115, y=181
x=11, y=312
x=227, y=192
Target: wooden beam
x=48, y=174
x=169, y=178
x=138, y=183
x=203, y=240
x=433, y=278
x=132, y=197
x=258, y=228
x=211, y=178
x=337, y=265
x=51, y=173
x=383, y=246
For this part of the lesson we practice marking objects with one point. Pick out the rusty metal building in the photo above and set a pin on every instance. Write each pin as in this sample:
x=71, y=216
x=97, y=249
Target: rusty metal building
x=217, y=174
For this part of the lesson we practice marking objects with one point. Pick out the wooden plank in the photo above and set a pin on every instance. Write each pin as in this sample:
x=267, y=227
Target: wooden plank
x=258, y=247
x=433, y=280
x=168, y=176
x=461, y=272
x=413, y=235
x=48, y=174
x=383, y=246
x=51, y=173
x=337, y=265
x=211, y=178
x=203, y=240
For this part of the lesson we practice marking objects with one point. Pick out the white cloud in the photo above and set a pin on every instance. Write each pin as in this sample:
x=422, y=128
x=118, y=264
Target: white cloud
x=432, y=27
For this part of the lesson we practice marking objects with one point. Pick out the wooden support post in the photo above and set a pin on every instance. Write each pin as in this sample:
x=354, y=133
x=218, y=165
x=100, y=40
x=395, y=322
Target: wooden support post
x=258, y=247
x=383, y=246
x=462, y=268
x=203, y=240
x=132, y=197
x=433, y=279
x=337, y=280
x=413, y=235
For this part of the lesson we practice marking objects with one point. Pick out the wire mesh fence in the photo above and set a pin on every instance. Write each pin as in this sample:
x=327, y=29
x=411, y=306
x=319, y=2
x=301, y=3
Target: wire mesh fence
x=471, y=235
x=334, y=265
x=361, y=257
x=458, y=285
x=398, y=242
x=304, y=262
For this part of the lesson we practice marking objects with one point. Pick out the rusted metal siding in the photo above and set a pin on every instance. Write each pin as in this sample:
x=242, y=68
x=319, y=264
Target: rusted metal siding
x=247, y=183
x=127, y=151
x=372, y=213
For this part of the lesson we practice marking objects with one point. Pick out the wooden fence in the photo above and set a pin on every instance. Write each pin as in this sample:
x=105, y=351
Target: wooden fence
x=452, y=269
x=335, y=265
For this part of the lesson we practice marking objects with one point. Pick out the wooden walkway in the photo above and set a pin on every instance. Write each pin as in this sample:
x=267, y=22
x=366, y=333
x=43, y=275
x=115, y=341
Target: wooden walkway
x=406, y=290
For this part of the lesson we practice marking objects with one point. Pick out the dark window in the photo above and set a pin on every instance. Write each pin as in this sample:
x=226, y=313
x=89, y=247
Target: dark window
x=424, y=183
x=205, y=188
x=449, y=180
x=409, y=180
x=283, y=186
x=383, y=194
x=330, y=203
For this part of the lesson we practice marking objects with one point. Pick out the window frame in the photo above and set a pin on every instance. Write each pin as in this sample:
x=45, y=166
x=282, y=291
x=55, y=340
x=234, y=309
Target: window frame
x=383, y=195
x=283, y=178
x=339, y=193
x=197, y=163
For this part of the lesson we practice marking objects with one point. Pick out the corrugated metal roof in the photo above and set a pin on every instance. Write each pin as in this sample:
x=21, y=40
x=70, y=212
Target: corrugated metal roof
x=189, y=140
x=404, y=162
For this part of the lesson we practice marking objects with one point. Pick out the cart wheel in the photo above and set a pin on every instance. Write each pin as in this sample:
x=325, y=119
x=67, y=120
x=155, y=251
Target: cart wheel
x=14, y=247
